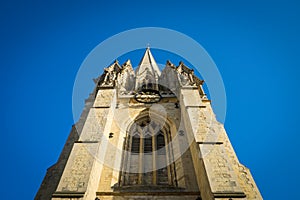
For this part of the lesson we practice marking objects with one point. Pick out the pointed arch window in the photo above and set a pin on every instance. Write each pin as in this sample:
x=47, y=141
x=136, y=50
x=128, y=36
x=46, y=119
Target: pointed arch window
x=147, y=154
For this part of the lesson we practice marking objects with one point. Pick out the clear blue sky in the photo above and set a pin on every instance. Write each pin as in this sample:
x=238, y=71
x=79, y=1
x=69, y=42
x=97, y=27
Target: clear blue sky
x=255, y=45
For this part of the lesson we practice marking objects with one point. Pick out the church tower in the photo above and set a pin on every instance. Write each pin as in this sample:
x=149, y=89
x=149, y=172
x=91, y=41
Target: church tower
x=148, y=134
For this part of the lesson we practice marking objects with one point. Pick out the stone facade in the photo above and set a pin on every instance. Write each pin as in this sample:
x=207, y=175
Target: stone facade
x=147, y=134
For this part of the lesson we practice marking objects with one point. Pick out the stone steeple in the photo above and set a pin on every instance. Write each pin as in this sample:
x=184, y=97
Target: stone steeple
x=147, y=73
x=148, y=135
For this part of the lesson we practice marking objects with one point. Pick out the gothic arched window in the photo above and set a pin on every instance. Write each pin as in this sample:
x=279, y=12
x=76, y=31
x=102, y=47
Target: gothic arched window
x=146, y=155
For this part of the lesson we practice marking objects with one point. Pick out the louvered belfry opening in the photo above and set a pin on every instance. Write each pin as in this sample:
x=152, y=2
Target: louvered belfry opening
x=147, y=154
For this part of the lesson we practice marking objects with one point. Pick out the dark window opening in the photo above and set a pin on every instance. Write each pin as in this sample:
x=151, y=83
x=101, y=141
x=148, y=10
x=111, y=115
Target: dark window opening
x=135, y=144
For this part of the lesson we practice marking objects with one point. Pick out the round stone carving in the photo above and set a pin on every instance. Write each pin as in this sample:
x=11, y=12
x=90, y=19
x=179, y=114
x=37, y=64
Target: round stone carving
x=148, y=96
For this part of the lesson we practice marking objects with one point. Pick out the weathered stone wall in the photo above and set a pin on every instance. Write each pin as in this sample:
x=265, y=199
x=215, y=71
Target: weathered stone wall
x=54, y=173
x=223, y=175
x=83, y=169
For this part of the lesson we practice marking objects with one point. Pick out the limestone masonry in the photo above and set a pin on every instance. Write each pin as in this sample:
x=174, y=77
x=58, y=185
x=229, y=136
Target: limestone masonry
x=148, y=134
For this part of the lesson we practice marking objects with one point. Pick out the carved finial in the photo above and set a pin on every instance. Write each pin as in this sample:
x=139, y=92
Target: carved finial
x=128, y=62
x=170, y=64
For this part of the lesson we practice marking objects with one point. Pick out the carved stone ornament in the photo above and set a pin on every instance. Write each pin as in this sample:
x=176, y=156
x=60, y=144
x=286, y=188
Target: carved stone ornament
x=109, y=78
x=148, y=96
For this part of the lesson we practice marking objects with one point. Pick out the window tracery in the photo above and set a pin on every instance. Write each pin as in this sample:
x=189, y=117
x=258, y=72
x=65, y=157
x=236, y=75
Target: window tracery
x=147, y=154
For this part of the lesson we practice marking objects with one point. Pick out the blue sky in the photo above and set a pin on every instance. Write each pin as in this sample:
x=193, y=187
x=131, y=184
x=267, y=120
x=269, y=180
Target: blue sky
x=255, y=45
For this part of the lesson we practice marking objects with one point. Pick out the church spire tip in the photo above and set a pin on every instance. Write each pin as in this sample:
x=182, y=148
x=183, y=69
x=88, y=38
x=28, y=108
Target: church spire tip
x=148, y=70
